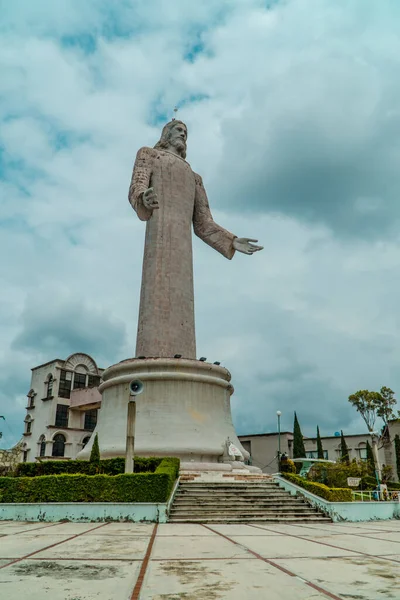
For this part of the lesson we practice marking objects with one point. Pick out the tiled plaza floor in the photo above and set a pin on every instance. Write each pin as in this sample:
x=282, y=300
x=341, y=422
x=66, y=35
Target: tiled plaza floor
x=128, y=561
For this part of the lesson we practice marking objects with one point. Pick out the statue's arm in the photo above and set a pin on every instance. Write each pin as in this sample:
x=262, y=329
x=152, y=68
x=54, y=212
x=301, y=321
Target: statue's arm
x=205, y=227
x=140, y=182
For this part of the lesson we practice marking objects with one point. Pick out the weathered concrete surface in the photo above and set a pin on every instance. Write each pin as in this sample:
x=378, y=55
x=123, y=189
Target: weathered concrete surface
x=84, y=511
x=193, y=562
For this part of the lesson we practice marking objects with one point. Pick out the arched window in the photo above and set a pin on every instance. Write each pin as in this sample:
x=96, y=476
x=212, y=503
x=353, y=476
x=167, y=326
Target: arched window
x=58, y=445
x=50, y=382
x=85, y=440
x=42, y=446
x=28, y=424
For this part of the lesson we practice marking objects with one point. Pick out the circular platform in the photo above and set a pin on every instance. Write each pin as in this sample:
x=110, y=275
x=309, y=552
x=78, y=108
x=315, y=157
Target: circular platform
x=184, y=410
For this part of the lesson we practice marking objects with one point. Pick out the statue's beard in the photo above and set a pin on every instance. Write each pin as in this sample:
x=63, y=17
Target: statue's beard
x=180, y=146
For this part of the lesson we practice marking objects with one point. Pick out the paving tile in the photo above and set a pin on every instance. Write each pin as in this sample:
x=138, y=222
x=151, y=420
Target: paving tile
x=10, y=527
x=390, y=536
x=140, y=529
x=182, y=529
x=63, y=529
x=68, y=580
x=17, y=546
x=99, y=546
x=285, y=546
x=362, y=544
x=361, y=578
x=231, y=530
x=195, y=547
x=305, y=531
x=223, y=580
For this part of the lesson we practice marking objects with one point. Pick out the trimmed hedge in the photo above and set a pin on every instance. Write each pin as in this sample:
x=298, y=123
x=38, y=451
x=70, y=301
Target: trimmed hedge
x=110, y=466
x=133, y=487
x=320, y=489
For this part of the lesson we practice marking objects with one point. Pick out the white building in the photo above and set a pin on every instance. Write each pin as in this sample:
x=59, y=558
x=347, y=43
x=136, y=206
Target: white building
x=62, y=408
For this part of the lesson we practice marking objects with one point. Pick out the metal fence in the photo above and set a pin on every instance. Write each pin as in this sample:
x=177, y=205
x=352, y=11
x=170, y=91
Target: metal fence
x=376, y=496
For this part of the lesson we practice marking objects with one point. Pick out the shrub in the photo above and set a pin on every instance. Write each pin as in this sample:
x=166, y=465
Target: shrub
x=131, y=487
x=335, y=475
x=109, y=466
x=321, y=490
x=287, y=466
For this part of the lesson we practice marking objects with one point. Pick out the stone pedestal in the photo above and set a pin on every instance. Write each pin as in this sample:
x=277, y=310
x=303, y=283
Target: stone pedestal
x=184, y=411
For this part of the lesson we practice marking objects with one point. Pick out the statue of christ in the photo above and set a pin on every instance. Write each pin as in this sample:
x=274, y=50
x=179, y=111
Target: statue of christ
x=166, y=193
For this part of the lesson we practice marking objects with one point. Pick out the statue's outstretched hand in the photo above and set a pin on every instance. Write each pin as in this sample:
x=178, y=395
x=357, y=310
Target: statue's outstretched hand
x=245, y=245
x=150, y=199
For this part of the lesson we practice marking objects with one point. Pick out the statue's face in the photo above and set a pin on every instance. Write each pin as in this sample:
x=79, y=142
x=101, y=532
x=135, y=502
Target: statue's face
x=178, y=137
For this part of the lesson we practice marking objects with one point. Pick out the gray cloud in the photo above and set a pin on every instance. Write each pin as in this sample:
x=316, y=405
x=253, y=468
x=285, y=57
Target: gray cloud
x=293, y=124
x=66, y=325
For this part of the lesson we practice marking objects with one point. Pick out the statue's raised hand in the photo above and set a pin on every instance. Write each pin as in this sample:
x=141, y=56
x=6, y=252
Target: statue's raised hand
x=150, y=199
x=246, y=246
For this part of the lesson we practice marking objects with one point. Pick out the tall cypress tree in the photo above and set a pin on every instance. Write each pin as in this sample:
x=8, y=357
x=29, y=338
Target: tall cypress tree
x=95, y=452
x=298, y=444
x=370, y=458
x=320, y=449
x=344, y=451
x=397, y=451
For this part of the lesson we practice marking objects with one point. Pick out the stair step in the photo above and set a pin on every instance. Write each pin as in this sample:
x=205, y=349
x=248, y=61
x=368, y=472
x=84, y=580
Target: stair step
x=313, y=519
x=240, y=502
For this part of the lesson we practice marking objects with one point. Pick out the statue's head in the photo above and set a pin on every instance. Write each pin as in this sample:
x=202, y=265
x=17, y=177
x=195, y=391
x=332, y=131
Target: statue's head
x=174, y=135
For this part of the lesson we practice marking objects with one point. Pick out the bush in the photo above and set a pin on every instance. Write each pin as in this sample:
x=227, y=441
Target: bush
x=335, y=475
x=368, y=483
x=109, y=466
x=131, y=487
x=287, y=466
x=321, y=490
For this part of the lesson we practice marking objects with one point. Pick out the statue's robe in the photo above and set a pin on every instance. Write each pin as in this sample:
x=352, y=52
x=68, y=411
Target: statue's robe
x=166, y=313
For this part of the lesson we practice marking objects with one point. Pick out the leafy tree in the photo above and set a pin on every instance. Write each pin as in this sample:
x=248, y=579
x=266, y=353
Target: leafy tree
x=320, y=449
x=370, y=458
x=372, y=405
x=397, y=451
x=344, y=451
x=299, y=450
x=95, y=452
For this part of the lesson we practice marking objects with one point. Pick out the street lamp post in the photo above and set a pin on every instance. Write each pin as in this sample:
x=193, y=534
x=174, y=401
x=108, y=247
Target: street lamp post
x=278, y=414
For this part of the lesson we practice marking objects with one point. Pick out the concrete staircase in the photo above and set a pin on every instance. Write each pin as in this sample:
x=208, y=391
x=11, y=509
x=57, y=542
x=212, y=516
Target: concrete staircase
x=239, y=502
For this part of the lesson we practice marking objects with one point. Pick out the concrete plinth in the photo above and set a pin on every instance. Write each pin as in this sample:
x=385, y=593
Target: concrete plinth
x=184, y=411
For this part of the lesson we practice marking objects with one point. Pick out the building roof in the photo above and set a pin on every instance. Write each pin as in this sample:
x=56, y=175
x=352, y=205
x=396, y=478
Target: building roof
x=50, y=362
x=264, y=434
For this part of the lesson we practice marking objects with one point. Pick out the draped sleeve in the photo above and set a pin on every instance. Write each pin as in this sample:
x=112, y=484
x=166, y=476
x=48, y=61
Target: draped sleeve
x=141, y=180
x=205, y=227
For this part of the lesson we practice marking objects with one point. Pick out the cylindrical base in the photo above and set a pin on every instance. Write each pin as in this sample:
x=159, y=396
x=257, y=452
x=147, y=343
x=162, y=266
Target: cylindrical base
x=184, y=410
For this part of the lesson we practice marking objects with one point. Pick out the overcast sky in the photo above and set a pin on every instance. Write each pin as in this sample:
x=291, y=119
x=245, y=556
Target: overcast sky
x=293, y=111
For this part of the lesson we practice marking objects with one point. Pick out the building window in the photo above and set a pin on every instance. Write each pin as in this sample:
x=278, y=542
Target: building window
x=93, y=381
x=42, y=448
x=61, y=415
x=28, y=426
x=90, y=419
x=31, y=403
x=50, y=382
x=362, y=453
x=314, y=454
x=25, y=456
x=64, y=390
x=58, y=445
x=85, y=440
x=79, y=381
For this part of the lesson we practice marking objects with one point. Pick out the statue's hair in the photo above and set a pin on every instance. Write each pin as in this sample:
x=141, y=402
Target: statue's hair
x=163, y=142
